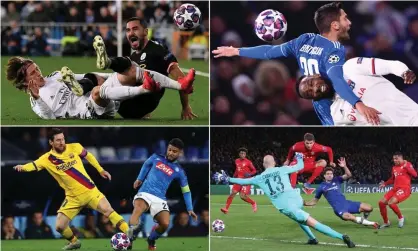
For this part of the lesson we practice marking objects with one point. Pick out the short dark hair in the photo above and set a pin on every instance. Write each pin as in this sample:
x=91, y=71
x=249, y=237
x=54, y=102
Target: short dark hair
x=242, y=149
x=53, y=132
x=16, y=71
x=398, y=154
x=308, y=136
x=328, y=169
x=141, y=21
x=176, y=142
x=325, y=15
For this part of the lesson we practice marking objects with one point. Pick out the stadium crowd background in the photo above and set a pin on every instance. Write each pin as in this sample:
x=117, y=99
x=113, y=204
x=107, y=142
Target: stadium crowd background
x=34, y=28
x=32, y=199
x=368, y=151
x=248, y=91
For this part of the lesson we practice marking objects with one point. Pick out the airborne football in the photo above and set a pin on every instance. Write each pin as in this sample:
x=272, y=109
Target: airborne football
x=348, y=63
x=270, y=25
x=105, y=62
x=187, y=16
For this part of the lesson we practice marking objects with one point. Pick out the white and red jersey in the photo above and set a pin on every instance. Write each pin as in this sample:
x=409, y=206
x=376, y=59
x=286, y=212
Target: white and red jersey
x=401, y=175
x=365, y=77
x=242, y=167
x=58, y=101
x=310, y=156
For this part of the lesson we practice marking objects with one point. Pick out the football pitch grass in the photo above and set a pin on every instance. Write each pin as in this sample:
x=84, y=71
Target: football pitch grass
x=163, y=244
x=269, y=230
x=16, y=110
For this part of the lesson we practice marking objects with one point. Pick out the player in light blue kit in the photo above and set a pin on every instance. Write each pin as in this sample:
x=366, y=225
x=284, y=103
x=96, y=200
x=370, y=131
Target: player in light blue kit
x=155, y=177
x=275, y=183
x=343, y=208
x=316, y=54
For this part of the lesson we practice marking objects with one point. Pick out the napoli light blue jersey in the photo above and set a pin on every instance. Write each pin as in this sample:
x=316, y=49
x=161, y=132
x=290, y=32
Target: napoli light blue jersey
x=315, y=55
x=276, y=184
x=158, y=172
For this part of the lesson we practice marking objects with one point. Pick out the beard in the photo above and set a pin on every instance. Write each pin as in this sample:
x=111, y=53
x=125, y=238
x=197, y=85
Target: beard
x=344, y=36
x=136, y=42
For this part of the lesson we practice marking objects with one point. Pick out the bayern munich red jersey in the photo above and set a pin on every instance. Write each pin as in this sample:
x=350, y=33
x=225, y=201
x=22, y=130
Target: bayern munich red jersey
x=401, y=175
x=310, y=155
x=243, y=166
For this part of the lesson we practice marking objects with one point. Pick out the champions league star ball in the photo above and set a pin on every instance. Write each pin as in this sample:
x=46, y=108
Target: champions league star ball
x=218, y=226
x=120, y=241
x=270, y=25
x=187, y=17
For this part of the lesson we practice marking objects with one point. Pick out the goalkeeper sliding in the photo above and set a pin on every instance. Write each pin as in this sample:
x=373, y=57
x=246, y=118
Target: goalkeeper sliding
x=275, y=183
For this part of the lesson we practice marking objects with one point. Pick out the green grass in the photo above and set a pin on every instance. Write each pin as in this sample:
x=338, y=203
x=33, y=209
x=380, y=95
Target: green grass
x=168, y=244
x=269, y=230
x=16, y=110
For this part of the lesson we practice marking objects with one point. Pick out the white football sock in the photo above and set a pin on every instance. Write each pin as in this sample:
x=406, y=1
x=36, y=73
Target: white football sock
x=120, y=93
x=363, y=221
x=164, y=81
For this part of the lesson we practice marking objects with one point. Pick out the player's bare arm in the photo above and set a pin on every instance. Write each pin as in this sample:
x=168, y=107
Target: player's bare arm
x=388, y=182
x=193, y=215
x=186, y=112
x=137, y=183
x=289, y=155
x=20, y=168
x=226, y=51
x=310, y=203
x=347, y=173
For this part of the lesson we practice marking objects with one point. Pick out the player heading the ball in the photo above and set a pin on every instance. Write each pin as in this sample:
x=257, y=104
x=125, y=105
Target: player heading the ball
x=316, y=54
x=65, y=163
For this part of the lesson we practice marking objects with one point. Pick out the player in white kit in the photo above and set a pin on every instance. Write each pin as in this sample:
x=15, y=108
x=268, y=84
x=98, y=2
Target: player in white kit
x=365, y=77
x=59, y=95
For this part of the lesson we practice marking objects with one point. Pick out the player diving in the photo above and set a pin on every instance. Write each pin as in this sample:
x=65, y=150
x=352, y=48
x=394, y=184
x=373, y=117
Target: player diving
x=156, y=175
x=275, y=183
x=61, y=95
x=365, y=77
x=343, y=208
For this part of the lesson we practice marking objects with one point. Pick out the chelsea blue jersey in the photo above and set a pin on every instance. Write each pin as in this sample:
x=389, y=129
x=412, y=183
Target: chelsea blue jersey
x=315, y=54
x=157, y=173
x=331, y=191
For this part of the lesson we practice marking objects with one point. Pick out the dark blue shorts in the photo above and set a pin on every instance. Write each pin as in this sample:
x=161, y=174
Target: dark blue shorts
x=352, y=207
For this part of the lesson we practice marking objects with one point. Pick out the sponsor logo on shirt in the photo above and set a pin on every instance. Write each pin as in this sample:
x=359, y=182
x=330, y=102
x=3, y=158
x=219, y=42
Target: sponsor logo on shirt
x=332, y=188
x=66, y=166
x=166, y=169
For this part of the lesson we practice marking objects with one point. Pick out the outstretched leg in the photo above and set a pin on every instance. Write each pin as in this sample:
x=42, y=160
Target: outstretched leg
x=130, y=74
x=304, y=218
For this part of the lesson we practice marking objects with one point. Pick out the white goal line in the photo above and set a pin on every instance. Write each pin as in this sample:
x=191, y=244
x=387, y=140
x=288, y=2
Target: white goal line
x=320, y=243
